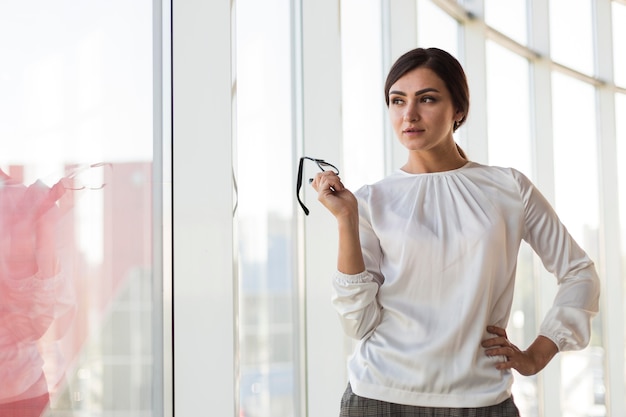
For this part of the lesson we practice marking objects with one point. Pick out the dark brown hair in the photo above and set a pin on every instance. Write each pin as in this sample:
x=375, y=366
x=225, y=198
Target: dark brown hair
x=441, y=63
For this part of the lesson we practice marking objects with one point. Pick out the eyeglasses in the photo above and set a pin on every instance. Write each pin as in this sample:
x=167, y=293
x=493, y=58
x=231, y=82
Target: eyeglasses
x=322, y=165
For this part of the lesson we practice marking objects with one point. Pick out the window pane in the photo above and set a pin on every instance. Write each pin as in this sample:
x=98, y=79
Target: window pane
x=571, y=36
x=264, y=222
x=577, y=196
x=508, y=107
x=362, y=92
x=77, y=106
x=508, y=94
x=619, y=43
x=508, y=17
x=435, y=28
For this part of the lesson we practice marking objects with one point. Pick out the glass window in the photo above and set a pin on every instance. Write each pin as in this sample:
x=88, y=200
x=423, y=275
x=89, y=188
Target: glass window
x=362, y=93
x=571, y=35
x=508, y=109
x=264, y=220
x=576, y=146
x=436, y=28
x=508, y=17
x=76, y=279
x=577, y=196
x=509, y=144
x=619, y=43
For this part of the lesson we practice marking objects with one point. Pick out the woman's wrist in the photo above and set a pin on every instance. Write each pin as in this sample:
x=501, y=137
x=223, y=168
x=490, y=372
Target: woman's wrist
x=541, y=351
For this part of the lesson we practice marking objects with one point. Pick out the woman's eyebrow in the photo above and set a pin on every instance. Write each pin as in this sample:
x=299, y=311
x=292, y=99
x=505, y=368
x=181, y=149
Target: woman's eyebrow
x=417, y=93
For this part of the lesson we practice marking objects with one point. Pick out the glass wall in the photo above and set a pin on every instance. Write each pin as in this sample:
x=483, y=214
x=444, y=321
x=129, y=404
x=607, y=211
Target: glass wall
x=81, y=310
x=77, y=313
x=510, y=145
x=575, y=147
x=265, y=236
x=571, y=39
x=362, y=93
x=435, y=28
x=516, y=78
x=509, y=17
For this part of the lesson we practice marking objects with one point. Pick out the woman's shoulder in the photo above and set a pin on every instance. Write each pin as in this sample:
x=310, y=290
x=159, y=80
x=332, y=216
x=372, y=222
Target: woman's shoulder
x=386, y=183
x=496, y=170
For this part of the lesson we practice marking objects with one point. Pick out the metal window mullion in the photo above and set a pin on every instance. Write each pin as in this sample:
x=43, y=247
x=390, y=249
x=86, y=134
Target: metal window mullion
x=299, y=306
x=163, y=388
x=202, y=183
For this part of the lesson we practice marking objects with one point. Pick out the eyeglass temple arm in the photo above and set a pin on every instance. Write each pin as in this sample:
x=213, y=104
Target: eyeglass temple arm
x=299, y=185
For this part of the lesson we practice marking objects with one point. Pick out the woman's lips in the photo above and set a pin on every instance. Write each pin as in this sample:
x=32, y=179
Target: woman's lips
x=412, y=131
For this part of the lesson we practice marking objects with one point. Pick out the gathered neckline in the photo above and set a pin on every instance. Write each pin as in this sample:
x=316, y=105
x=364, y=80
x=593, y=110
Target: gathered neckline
x=448, y=172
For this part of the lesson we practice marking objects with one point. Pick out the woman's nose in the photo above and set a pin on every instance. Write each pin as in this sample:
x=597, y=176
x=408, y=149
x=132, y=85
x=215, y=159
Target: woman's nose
x=410, y=115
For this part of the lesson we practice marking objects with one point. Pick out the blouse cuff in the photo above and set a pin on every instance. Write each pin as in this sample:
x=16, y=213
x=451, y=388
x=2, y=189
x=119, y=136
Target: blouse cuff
x=347, y=279
x=569, y=328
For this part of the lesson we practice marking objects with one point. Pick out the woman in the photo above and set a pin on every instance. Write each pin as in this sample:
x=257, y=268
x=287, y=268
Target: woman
x=427, y=260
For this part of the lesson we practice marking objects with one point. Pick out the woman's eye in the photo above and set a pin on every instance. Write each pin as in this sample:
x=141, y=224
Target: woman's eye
x=397, y=101
x=428, y=99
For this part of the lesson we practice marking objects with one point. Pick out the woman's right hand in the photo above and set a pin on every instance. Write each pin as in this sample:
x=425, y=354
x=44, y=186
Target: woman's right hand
x=343, y=205
x=334, y=196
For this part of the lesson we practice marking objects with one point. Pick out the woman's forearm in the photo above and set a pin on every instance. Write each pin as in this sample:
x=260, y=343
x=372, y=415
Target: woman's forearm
x=350, y=257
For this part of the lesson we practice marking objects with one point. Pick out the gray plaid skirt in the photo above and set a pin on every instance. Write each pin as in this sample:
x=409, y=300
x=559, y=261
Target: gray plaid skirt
x=354, y=406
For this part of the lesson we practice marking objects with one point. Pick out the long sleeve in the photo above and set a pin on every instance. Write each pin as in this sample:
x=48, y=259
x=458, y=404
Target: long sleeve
x=355, y=296
x=568, y=322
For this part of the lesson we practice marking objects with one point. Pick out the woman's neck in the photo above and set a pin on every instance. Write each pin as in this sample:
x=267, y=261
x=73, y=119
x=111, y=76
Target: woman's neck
x=427, y=162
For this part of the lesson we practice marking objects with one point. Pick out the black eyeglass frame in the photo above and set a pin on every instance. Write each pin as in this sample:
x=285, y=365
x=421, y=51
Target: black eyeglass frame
x=321, y=164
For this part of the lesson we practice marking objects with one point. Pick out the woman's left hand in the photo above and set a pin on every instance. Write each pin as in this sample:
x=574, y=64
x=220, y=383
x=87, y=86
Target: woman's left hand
x=527, y=362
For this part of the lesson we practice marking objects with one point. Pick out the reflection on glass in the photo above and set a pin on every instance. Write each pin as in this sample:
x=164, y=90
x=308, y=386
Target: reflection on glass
x=37, y=304
x=508, y=17
x=76, y=234
x=619, y=43
x=268, y=385
x=577, y=196
x=509, y=143
x=571, y=38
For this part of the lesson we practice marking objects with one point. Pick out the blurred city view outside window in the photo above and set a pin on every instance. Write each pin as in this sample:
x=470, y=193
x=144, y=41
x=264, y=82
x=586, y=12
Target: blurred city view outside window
x=264, y=219
x=78, y=317
x=76, y=303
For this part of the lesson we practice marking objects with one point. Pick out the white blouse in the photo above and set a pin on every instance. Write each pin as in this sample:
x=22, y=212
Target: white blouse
x=440, y=251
